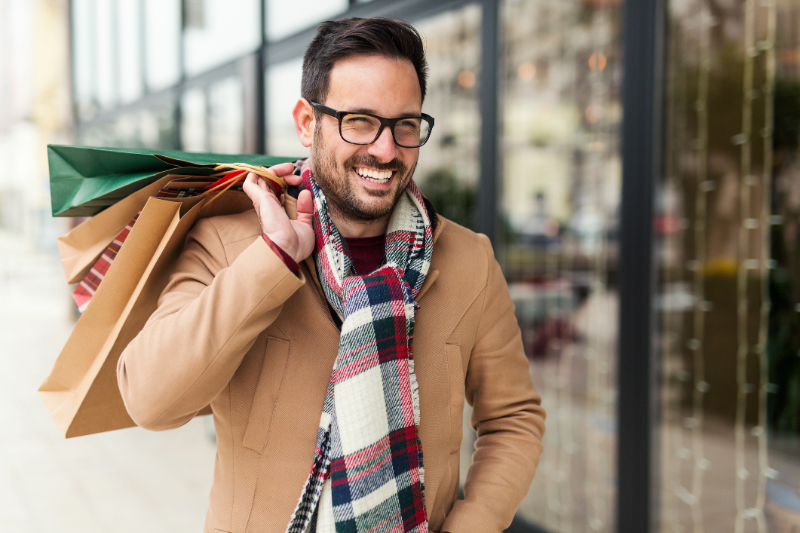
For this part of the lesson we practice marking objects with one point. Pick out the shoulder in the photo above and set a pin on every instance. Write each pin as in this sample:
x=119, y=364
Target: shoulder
x=225, y=237
x=460, y=251
x=229, y=229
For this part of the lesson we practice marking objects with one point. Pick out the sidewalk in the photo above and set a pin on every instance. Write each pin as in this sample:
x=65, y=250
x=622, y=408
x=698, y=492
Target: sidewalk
x=124, y=481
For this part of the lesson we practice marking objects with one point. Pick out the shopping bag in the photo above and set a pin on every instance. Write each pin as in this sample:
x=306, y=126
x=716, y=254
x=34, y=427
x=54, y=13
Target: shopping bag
x=86, y=180
x=81, y=391
x=81, y=247
x=85, y=266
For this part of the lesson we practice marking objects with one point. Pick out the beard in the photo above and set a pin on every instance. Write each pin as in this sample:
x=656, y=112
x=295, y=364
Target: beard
x=342, y=193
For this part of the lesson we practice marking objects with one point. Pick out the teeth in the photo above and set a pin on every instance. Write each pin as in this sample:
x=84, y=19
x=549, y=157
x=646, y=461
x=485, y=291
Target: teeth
x=373, y=175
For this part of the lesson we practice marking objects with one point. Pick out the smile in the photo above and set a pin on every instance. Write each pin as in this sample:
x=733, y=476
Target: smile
x=374, y=175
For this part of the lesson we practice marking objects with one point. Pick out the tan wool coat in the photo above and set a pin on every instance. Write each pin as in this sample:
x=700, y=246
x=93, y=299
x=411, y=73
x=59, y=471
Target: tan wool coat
x=236, y=329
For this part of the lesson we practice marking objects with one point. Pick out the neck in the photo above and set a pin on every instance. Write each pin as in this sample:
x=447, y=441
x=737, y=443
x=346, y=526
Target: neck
x=350, y=229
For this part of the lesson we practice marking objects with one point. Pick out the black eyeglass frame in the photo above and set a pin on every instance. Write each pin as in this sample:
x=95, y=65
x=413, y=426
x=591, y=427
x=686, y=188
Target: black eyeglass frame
x=390, y=122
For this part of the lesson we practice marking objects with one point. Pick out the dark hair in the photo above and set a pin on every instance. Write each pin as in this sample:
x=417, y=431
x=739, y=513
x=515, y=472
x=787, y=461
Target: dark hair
x=340, y=39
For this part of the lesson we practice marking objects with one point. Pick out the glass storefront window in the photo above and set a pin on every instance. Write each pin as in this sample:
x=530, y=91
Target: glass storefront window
x=728, y=269
x=283, y=91
x=560, y=194
x=226, y=116
x=129, y=56
x=447, y=171
x=104, y=22
x=83, y=58
x=162, y=43
x=152, y=128
x=217, y=31
x=285, y=18
x=194, y=117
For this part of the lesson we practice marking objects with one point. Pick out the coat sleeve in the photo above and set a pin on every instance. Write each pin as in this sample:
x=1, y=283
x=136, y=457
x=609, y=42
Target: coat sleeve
x=507, y=416
x=208, y=317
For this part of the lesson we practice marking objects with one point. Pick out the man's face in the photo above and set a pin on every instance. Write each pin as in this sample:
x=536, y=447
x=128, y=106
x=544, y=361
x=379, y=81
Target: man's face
x=354, y=178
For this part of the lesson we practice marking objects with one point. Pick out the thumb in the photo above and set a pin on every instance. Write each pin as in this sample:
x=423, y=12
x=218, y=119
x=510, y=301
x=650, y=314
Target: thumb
x=305, y=207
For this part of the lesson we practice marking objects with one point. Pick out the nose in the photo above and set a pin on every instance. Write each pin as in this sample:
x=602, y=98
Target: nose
x=383, y=148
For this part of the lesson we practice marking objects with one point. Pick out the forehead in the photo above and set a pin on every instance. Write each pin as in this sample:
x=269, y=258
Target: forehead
x=385, y=86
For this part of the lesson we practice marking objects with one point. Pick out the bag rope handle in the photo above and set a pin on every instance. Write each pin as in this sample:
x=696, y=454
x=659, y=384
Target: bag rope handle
x=259, y=170
x=233, y=177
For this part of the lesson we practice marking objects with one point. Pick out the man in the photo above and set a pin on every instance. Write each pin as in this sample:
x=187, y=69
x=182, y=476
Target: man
x=337, y=335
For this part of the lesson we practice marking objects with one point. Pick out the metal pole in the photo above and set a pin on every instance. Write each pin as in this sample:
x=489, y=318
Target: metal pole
x=177, y=138
x=260, y=122
x=637, y=465
x=486, y=213
x=143, y=46
x=73, y=82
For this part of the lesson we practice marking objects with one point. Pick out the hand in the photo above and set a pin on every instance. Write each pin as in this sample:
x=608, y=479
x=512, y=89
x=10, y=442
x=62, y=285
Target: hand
x=295, y=237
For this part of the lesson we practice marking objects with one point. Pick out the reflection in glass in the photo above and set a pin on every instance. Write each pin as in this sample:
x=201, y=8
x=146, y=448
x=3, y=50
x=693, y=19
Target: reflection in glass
x=162, y=36
x=285, y=18
x=129, y=61
x=447, y=171
x=729, y=284
x=561, y=176
x=84, y=58
x=151, y=128
x=104, y=24
x=283, y=91
x=218, y=31
x=226, y=106
x=194, y=117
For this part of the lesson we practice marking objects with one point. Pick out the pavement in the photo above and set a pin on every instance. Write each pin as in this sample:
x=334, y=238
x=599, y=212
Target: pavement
x=130, y=480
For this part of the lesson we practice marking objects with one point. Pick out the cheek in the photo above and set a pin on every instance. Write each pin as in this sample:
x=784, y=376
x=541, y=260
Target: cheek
x=409, y=158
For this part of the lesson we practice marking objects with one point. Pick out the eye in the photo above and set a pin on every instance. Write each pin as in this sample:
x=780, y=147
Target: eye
x=409, y=124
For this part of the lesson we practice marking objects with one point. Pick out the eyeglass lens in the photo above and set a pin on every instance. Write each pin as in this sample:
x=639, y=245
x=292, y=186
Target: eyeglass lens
x=363, y=129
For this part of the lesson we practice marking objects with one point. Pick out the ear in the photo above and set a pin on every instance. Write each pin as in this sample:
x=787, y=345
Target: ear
x=304, y=121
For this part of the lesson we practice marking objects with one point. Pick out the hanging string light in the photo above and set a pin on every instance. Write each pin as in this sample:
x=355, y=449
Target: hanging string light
x=749, y=184
x=680, y=452
x=700, y=305
x=601, y=402
x=560, y=499
x=768, y=46
x=669, y=316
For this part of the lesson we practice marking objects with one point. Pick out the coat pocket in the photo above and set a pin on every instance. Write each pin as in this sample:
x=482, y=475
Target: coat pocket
x=273, y=371
x=455, y=376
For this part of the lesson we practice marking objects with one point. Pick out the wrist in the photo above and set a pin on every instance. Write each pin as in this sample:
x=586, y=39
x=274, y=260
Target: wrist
x=290, y=261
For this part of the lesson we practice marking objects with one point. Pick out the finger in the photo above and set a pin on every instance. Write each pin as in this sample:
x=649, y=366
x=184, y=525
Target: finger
x=256, y=180
x=256, y=189
x=293, y=179
x=305, y=207
x=282, y=169
x=251, y=188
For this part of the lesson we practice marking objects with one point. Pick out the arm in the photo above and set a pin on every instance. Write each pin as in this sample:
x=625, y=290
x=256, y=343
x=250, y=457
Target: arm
x=208, y=317
x=211, y=312
x=507, y=416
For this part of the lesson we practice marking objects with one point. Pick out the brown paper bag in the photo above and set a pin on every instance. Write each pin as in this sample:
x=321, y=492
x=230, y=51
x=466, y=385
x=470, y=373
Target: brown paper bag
x=81, y=247
x=81, y=391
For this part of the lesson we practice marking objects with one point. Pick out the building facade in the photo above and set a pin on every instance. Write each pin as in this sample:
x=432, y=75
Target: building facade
x=656, y=280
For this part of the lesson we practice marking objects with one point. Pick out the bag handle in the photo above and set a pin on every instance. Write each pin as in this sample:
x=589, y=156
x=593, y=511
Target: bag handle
x=260, y=171
x=233, y=177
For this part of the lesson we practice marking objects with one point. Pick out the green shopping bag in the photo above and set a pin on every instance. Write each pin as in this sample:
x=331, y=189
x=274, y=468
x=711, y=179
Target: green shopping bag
x=86, y=180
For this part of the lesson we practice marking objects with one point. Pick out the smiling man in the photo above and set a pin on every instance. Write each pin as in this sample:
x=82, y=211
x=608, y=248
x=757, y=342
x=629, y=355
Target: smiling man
x=336, y=333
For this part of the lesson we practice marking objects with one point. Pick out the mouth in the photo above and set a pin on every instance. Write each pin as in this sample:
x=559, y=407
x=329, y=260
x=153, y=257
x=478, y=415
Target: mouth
x=374, y=176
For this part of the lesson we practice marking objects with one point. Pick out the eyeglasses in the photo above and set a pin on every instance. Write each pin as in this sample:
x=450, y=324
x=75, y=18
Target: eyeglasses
x=363, y=128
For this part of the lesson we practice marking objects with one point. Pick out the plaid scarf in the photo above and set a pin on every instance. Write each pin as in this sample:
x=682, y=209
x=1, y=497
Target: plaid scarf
x=367, y=474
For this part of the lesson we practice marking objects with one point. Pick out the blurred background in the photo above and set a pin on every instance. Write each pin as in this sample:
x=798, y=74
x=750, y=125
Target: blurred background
x=529, y=107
